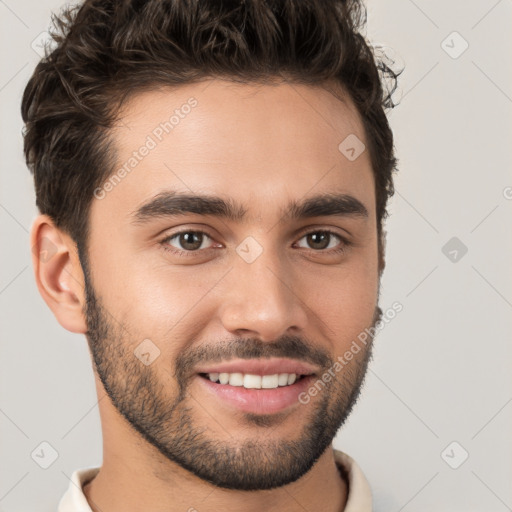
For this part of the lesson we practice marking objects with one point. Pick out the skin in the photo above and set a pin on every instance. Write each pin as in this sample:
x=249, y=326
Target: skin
x=261, y=146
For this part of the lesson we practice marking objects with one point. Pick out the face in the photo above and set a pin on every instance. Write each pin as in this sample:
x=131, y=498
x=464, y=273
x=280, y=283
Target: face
x=210, y=315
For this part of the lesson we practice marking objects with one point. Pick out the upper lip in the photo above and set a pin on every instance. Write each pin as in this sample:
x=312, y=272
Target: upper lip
x=260, y=367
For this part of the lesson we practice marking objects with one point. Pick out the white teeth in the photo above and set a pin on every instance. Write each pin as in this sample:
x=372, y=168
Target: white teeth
x=236, y=379
x=251, y=381
x=270, y=381
x=283, y=379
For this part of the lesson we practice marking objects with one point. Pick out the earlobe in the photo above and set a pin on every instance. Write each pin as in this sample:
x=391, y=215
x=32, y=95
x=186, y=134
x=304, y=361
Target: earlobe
x=58, y=273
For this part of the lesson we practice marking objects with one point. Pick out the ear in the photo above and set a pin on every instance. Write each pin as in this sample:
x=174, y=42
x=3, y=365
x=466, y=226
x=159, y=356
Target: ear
x=58, y=273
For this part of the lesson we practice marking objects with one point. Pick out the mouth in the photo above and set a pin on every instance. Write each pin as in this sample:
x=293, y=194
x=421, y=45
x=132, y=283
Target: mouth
x=257, y=386
x=264, y=386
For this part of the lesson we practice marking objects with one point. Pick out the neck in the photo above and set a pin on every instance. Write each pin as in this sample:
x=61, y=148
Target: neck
x=121, y=485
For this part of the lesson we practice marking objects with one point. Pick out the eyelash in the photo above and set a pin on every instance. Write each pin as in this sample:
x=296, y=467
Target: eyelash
x=345, y=244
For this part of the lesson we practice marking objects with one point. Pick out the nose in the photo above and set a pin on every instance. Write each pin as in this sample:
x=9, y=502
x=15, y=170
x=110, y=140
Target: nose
x=260, y=300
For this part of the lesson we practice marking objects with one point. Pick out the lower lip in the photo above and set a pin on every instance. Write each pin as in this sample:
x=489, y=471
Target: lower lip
x=258, y=401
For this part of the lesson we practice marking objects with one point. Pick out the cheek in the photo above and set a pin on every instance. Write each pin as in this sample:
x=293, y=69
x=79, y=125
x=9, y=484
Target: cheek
x=344, y=300
x=168, y=305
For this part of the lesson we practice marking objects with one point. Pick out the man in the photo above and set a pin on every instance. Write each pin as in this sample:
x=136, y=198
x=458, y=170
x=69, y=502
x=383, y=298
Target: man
x=212, y=180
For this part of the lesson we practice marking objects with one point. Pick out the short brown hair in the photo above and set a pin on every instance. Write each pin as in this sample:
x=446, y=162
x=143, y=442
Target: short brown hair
x=106, y=50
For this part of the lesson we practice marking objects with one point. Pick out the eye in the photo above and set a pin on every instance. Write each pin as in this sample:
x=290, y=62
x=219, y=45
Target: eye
x=186, y=241
x=324, y=239
x=192, y=242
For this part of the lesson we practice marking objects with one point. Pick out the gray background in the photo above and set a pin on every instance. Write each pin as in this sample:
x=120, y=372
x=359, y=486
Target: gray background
x=441, y=372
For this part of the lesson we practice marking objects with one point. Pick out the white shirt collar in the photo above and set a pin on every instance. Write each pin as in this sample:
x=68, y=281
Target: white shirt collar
x=359, y=492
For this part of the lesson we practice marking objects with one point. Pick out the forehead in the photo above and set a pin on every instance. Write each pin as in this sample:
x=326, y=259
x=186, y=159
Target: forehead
x=263, y=144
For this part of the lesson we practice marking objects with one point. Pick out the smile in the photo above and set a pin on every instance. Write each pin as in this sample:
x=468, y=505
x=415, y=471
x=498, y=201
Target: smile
x=251, y=381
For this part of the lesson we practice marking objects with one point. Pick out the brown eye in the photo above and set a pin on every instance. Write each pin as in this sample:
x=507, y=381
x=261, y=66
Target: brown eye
x=321, y=240
x=187, y=240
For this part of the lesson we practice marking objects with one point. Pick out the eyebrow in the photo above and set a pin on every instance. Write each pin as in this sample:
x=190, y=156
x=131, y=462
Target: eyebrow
x=172, y=204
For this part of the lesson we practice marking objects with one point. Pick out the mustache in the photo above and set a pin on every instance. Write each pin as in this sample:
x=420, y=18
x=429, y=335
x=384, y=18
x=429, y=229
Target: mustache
x=291, y=347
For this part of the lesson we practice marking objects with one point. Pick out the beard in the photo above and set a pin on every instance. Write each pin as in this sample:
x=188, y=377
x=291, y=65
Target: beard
x=163, y=415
